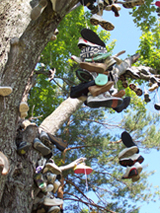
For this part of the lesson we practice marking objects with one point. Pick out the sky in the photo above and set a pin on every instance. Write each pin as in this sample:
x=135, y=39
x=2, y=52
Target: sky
x=127, y=36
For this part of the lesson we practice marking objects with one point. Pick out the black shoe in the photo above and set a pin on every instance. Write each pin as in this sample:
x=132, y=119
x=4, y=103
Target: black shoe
x=124, y=105
x=157, y=106
x=127, y=140
x=81, y=89
x=60, y=144
x=23, y=147
x=91, y=36
x=84, y=75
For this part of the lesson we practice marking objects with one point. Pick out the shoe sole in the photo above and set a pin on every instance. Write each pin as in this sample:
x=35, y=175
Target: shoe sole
x=23, y=107
x=50, y=203
x=104, y=24
x=130, y=162
x=41, y=148
x=57, y=210
x=46, y=141
x=98, y=58
x=92, y=67
x=97, y=90
x=109, y=103
x=127, y=153
x=84, y=76
x=127, y=140
x=57, y=143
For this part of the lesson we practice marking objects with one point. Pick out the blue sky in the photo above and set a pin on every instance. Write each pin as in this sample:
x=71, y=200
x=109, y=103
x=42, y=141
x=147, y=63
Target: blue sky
x=127, y=36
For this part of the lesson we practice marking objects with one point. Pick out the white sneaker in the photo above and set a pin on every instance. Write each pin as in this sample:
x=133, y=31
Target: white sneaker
x=132, y=171
x=127, y=152
x=84, y=42
x=54, y=209
x=96, y=19
x=103, y=100
x=50, y=200
x=56, y=186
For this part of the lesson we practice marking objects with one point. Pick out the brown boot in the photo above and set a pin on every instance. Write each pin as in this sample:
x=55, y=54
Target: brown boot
x=97, y=90
x=93, y=67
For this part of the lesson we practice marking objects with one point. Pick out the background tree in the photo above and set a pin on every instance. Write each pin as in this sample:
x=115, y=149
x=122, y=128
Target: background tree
x=24, y=40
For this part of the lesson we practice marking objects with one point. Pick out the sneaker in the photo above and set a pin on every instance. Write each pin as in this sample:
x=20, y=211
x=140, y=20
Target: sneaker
x=133, y=73
x=127, y=140
x=24, y=115
x=138, y=91
x=94, y=67
x=50, y=177
x=45, y=139
x=84, y=75
x=127, y=152
x=60, y=144
x=39, y=180
x=23, y=147
x=77, y=59
x=113, y=7
x=135, y=178
x=109, y=61
x=5, y=91
x=4, y=164
x=56, y=186
x=38, y=145
x=49, y=188
x=146, y=97
x=84, y=43
x=92, y=37
x=81, y=89
x=90, y=52
x=96, y=19
x=132, y=3
x=153, y=87
x=133, y=171
x=23, y=107
x=130, y=161
x=54, y=209
x=38, y=10
x=97, y=90
x=99, y=58
x=52, y=167
x=103, y=100
x=50, y=200
x=124, y=105
x=157, y=106
x=82, y=169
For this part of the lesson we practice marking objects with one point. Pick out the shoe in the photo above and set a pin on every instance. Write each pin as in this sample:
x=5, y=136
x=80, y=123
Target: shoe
x=93, y=67
x=82, y=169
x=146, y=97
x=39, y=180
x=124, y=105
x=84, y=75
x=45, y=139
x=90, y=52
x=55, y=5
x=56, y=186
x=119, y=94
x=132, y=73
x=23, y=147
x=38, y=145
x=96, y=19
x=153, y=87
x=132, y=3
x=157, y=106
x=103, y=100
x=127, y=152
x=99, y=58
x=84, y=43
x=60, y=144
x=138, y=91
x=54, y=209
x=49, y=188
x=5, y=91
x=52, y=167
x=113, y=7
x=23, y=107
x=81, y=89
x=110, y=61
x=127, y=140
x=50, y=177
x=135, y=178
x=130, y=161
x=97, y=90
x=50, y=200
x=24, y=115
x=77, y=59
x=132, y=171
x=92, y=37
x=4, y=164
x=38, y=10
x=101, y=79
